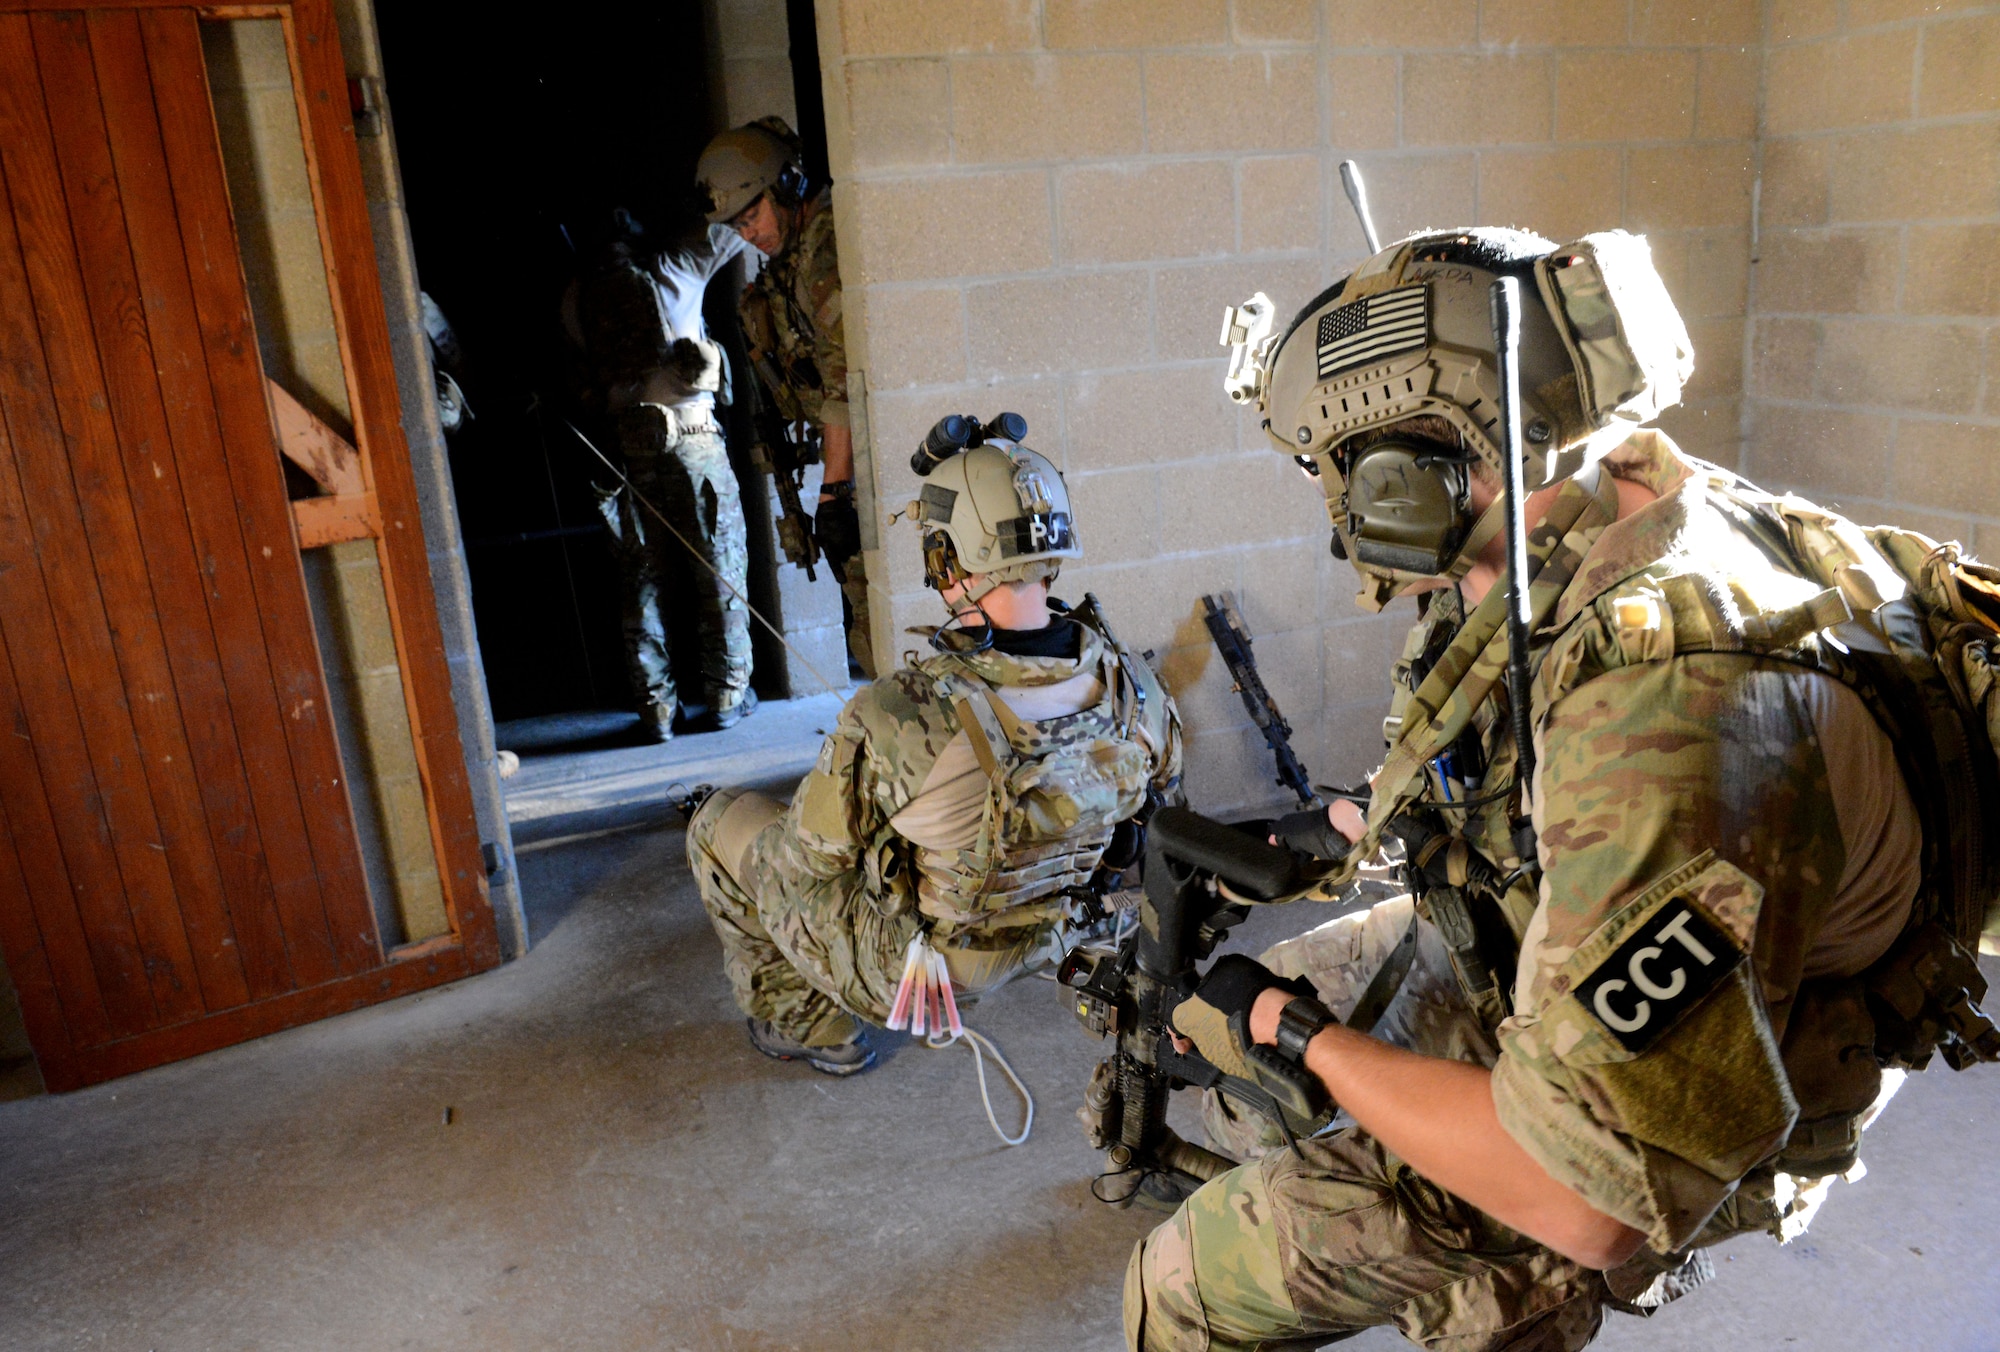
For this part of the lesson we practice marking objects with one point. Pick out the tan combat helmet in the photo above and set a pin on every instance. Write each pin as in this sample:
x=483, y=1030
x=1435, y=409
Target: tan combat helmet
x=742, y=164
x=1410, y=333
x=995, y=512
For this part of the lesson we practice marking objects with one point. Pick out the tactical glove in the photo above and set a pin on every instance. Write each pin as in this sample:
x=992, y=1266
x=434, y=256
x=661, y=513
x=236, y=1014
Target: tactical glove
x=1216, y=1018
x=1311, y=832
x=838, y=527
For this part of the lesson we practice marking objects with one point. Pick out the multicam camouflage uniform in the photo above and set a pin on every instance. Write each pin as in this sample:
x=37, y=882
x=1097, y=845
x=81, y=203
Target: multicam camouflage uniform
x=792, y=327
x=1701, y=791
x=816, y=907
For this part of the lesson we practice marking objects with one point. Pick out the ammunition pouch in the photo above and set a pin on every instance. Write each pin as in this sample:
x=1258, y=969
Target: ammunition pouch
x=1924, y=997
x=1829, y=1055
x=892, y=882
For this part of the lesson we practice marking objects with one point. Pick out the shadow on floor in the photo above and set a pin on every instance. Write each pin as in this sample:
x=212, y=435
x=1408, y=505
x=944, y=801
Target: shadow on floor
x=581, y=1150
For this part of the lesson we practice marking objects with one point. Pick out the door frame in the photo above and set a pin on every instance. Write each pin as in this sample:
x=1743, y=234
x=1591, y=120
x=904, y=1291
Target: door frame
x=326, y=123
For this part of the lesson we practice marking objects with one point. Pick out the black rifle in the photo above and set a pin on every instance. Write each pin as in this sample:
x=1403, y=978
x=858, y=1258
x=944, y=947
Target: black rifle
x=784, y=451
x=1234, y=645
x=1131, y=994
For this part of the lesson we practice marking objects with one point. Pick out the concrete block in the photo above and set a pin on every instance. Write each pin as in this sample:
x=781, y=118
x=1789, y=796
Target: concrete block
x=1718, y=367
x=1693, y=185
x=922, y=28
x=1794, y=20
x=1456, y=100
x=1633, y=95
x=1083, y=321
x=1797, y=183
x=1155, y=604
x=1552, y=23
x=1926, y=368
x=1188, y=301
x=1157, y=416
x=1366, y=101
x=1821, y=449
x=1991, y=404
x=1353, y=742
x=758, y=86
x=1128, y=213
x=1953, y=270
x=1360, y=652
x=1222, y=503
x=1842, y=82
x=1283, y=585
x=1414, y=25
x=1784, y=359
x=1266, y=21
x=753, y=26
x=1985, y=539
x=1281, y=203
x=900, y=418
x=1561, y=193
x=1961, y=71
x=1117, y=513
x=1953, y=466
x=1045, y=107
x=1916, y=173
x=1231, y=772
x=1726, y=93
x=1199, y=681
x=1687, y=22
x=918, y=229
x=1408, y=192
x=1849, y=271
x=899, y=112
x=247, y=54
x=1707, y=272
x=1135, y=23
x=916, y=336
x=1709, y=428
x=1235, y=102
x=1863, y=13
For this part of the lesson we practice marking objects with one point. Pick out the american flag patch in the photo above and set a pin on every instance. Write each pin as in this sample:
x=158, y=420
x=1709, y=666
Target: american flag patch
x=1374, y=326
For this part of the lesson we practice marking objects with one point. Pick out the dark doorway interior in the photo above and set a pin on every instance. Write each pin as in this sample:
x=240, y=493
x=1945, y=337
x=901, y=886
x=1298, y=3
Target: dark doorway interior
x=517, y=140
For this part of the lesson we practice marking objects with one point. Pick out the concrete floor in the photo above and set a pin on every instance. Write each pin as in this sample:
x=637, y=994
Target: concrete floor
x=581, y=1151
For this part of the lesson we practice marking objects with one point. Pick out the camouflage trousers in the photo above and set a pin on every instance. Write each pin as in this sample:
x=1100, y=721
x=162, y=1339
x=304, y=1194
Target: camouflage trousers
x=1296, y=1250
x=854, y=609
x=688, y=478
x=814, y=956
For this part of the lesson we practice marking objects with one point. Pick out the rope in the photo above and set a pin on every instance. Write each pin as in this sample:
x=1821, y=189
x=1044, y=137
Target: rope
x=976, y=1041
x=700, y=557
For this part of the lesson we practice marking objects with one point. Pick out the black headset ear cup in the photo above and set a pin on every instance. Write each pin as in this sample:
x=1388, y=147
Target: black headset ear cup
x=791, y=184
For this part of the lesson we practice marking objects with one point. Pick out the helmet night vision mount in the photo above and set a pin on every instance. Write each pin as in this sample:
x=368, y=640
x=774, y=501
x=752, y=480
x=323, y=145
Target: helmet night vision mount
x=992, y=511
x=1410, y=334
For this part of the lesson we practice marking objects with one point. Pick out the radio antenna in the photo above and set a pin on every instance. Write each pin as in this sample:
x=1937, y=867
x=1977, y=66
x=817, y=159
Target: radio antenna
x=1357, y=193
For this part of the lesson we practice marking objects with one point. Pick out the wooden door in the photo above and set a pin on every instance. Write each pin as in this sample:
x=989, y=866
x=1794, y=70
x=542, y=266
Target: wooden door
x=179, y=865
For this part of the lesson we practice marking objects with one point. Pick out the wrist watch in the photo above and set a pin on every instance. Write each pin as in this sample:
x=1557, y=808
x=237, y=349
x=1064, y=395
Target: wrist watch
x=843, y=489
x=1298, y=1023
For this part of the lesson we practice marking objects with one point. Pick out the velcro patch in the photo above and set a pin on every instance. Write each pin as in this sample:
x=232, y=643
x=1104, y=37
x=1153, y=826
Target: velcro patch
x=1035, y=533
x=1661, y=971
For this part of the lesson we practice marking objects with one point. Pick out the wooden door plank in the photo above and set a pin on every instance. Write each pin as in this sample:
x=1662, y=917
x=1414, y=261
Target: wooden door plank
x=42, y=365
x=321, y=81
x=314, y=447
x=434, y=967
x=258, y=825
x=28, y=960
x=183, y=720
x=236, y=379
x=48, y=903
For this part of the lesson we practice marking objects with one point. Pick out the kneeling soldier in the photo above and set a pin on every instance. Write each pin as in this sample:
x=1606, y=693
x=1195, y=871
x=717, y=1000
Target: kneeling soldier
x=963, y=798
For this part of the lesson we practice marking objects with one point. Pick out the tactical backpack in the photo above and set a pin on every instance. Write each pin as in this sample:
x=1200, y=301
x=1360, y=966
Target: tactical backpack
x=1912, y=626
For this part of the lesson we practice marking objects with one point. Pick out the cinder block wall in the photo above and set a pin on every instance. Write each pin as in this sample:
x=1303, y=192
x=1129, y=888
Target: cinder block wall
x=1045, y=204
x=1875, y=363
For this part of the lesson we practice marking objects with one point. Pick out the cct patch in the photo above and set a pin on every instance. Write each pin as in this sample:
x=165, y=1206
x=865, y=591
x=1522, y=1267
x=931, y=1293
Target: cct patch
x=1658, y=974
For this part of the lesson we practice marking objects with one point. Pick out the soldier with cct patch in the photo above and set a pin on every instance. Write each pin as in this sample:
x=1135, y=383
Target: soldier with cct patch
x=1671, y=938
x=962, y=801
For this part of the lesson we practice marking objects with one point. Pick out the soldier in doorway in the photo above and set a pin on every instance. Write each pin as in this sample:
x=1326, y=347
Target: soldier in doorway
x=638, y=314
x=753, y=179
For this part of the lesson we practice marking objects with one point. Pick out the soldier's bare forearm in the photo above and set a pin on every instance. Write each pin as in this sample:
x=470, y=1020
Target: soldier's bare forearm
x=837, y=450
x=1438, y=1116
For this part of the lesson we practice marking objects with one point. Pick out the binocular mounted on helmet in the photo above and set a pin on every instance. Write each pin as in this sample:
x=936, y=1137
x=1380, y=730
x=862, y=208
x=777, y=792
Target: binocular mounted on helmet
x=957, y=432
